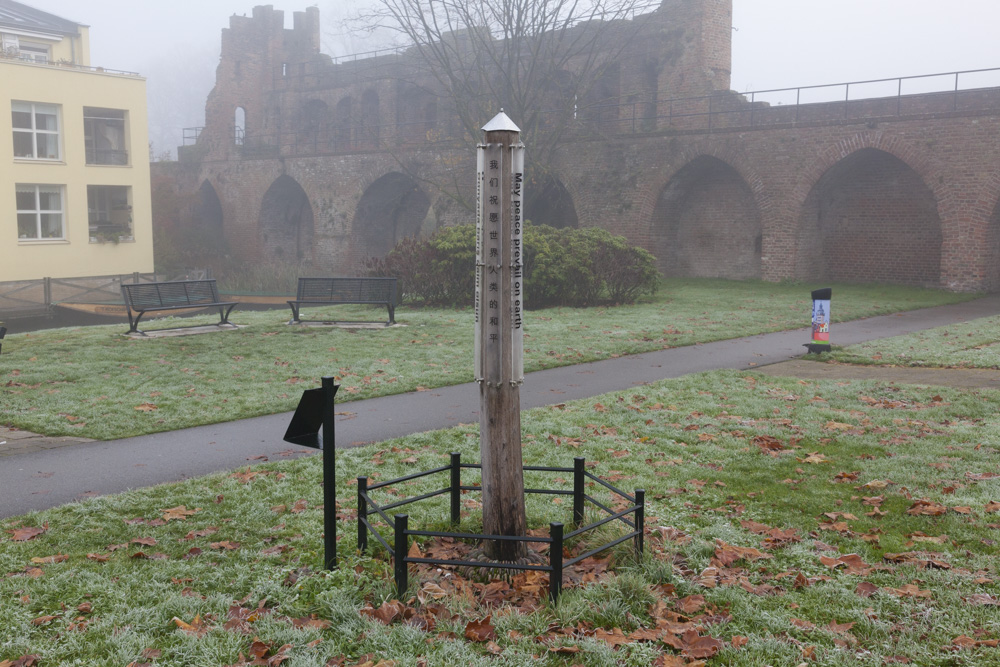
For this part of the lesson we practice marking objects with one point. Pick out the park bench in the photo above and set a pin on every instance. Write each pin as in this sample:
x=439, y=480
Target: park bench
x=141, y=298
x=337, y=291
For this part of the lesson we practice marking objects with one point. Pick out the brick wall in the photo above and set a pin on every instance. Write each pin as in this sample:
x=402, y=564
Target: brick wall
x=896, y=190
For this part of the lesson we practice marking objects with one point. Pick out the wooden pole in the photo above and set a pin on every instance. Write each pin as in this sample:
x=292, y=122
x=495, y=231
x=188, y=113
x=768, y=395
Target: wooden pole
x=499, y=371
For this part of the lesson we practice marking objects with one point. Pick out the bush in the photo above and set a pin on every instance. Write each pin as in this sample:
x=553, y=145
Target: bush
x=562, y=267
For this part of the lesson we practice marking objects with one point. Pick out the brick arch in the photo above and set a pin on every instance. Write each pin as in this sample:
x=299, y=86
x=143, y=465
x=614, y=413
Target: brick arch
x=705, y=216
x=286, y=222
x=991, y=268
x=662, y=175
x=566, y=192
x=921, y=162
x=391, y=208
x=870, y=217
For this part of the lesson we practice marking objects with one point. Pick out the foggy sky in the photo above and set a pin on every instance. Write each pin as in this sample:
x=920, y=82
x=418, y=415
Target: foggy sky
x=776, y=43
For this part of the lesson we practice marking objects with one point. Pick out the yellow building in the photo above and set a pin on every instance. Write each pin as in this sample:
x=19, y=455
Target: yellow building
x=74, y=168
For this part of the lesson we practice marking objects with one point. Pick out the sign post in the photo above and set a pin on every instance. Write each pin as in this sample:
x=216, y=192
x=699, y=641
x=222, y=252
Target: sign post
x=315, y=410
x=499, y=306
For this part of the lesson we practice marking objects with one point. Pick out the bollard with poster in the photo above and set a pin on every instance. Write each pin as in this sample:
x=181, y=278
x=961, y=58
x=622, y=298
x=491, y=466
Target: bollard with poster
x=820, y=321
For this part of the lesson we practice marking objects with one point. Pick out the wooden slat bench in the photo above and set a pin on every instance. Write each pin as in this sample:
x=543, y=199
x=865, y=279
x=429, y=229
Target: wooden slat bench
x=172, y=295
x=337, y=291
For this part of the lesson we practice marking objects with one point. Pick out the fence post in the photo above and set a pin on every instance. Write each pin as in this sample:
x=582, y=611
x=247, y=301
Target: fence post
x=400, y=549
x=578, y=477
x=47, y=289
x=456, y=488
x=362, y=514
x=640, y=521
x=555, y=561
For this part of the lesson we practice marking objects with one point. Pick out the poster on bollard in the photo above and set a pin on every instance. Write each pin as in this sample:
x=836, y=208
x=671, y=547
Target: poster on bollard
x=517, y=264
x=821, y=316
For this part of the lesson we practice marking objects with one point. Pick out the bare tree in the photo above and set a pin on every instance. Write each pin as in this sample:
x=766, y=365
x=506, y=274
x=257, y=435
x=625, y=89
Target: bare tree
x=546, y=63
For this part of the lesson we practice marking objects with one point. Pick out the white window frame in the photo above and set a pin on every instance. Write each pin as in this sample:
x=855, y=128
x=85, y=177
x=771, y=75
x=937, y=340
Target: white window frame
x=33, y=51
x=109, y=219
x=34, y=108
x=37, y=211
x=95, y=121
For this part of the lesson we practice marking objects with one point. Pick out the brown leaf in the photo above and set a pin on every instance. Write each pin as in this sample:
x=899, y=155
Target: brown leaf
x=25, y=534
x=48, y=560
x=430, y=591
x=480, y=631
x=565, y=649
x=145, y=541
x=179, y=513
x=909, y=591
x=700, y=647
x=865, y=589
x=614, y=638
x=227, y=545
x=838, y=628
x=925, y=507
x=145, y=407
x=42, y=620
x=691, y=604
x=197, y=627
x=727, y=554
x=387, y=613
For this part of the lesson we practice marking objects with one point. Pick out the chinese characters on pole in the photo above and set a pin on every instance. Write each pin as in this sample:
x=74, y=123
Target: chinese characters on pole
x=499, y=269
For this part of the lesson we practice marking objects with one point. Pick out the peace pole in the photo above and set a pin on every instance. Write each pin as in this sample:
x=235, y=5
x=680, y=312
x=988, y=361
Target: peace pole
x=499, y=346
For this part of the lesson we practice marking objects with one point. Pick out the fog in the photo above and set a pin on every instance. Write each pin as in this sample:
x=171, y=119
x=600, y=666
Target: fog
x=776, y=44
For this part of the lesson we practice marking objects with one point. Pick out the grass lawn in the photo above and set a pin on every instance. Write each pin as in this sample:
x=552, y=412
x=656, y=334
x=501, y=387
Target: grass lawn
x=830, y=523
x=93, y=382
x=974, y=344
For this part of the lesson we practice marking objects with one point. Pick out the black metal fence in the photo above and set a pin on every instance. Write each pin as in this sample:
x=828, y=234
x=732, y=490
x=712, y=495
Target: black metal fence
x=399, y=523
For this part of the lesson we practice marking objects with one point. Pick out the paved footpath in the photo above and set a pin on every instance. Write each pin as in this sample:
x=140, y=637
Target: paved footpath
x=36, y=477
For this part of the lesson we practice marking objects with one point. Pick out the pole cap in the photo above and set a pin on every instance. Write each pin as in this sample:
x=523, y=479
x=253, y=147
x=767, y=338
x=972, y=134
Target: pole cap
x=501, y=123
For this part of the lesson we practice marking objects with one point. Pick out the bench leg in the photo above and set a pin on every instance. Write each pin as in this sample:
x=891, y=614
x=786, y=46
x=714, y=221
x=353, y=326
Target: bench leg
x=225, y=315
x=392, y=315
x=134, y=323
x=295, y=313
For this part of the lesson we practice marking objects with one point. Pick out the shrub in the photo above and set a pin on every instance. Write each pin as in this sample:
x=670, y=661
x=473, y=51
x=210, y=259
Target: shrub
x=571, y=267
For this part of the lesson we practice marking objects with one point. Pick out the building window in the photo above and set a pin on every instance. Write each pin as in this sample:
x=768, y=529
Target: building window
x=39, y=211
x=32, y=51
x=14, y=47
x=109, y=213
x=104, y=134
x=36, y=130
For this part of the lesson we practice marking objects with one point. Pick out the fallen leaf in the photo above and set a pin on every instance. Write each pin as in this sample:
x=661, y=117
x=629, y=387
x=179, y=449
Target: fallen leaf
x=480, y=631
x=25, y=534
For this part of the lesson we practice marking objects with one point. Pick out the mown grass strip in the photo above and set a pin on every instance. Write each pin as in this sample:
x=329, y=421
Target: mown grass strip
x=93, y=382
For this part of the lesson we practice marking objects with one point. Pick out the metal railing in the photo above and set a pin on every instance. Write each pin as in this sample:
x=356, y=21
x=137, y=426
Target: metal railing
x=399, y=523
x=4, y=57
x=100, y=156
x=967, y=91
x=24, y=298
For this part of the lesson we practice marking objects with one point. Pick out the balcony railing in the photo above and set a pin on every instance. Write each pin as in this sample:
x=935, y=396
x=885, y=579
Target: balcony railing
x=16, y=58
x=102, y=156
